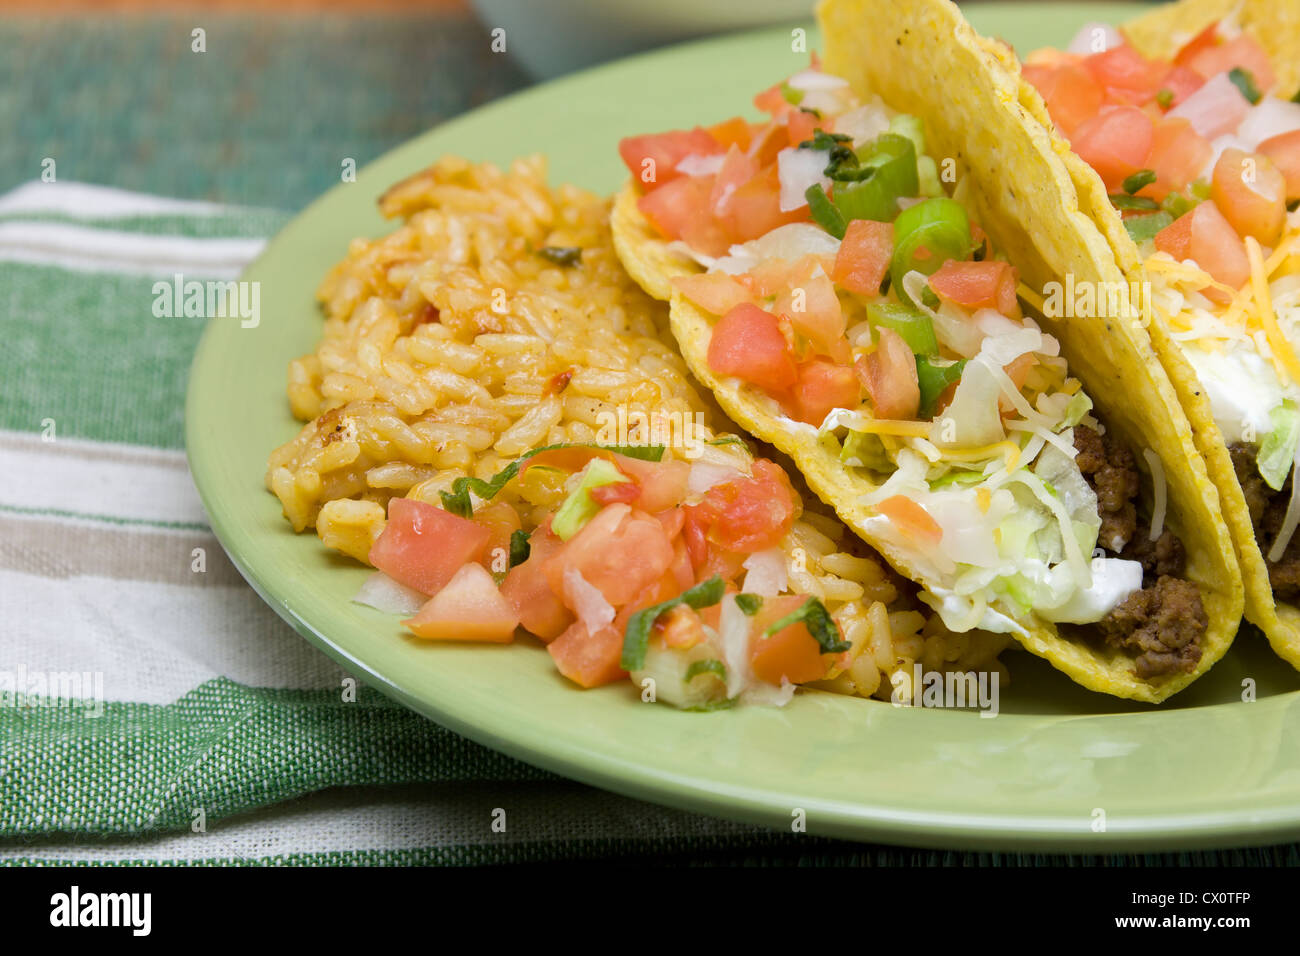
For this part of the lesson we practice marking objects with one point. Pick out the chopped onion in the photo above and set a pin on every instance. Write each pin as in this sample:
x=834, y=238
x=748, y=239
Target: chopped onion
x=763, y=694
x=1217, y=146
x=816, y=80
x=798, y=169
x=705, y=474
x=683, y=249
x=698, y=165
x=1216, y=108
x=1292, y=515
x=976, y=419
x=1268, y=118
x=767, y=572
x=1160, y=493
x=789, y=242
x=384, y=594
x=587, y=601
x=863, y=124
x=1008, y=346
x=1095, y=38
x=733, y=631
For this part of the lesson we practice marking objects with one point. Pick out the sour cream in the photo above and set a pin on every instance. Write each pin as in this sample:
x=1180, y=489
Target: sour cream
x=1113, y=580
x=1242, y=388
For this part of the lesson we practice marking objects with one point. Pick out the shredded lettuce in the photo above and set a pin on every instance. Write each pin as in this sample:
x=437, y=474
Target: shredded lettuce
x=1277, y=450
x=1078, y=406
x=865, y=450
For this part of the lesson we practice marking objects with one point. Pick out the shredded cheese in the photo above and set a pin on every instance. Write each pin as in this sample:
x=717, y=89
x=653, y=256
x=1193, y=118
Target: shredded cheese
x=1160, y=493
x=890, y=426
x=1009, y=449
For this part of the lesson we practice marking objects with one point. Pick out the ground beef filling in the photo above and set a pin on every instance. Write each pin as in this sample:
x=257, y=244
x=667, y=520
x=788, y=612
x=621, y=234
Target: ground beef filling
x=1267, y=512
x=1161, y=625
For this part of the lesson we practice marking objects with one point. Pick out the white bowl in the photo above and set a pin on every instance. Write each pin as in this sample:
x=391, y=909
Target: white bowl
x=551, y=37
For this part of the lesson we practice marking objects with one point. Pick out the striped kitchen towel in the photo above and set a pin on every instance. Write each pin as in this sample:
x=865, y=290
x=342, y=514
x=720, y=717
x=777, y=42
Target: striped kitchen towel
x=148, y=714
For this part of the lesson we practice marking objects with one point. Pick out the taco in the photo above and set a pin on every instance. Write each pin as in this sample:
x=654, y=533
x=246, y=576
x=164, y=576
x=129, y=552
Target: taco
x=844, y=275
x=1186, y=151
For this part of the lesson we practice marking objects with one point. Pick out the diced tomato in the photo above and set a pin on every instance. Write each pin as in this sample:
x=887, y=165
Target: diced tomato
x=767, y=143
x=681, y=628
x=978, y=285
x=772, y=100
x=589, y=660
x=756, y=207
x=889, y=376
x=749, y=514
x=1240, y=52
x=812, y=306
x=666, y=150
x=1178, y=154
x=673, y=519
x=682, y=569
x=822, y=387
x=680, y=210
x=468, y=608
x=1176, y=238
x=910, y=518
x=714, y=292
x=1071, y=93
x=864, y=256
x=1115, y=143
x=801, y=126
x=1216, y=248
x=1207, y=39
x=736, y=131
x=1181, y=82
x=1124, y=68
x=526, y=587
x=1284, y=152
x=500, y=520
x=747, y=343
x=624, y=491
x=422, y=546
x=1251, y=193
x=737, y=169
x=661, y=589
x=662, y=483
x=791, y=653
x=618, y=552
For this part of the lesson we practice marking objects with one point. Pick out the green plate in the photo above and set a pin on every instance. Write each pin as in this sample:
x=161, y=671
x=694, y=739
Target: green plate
x=1060, y=768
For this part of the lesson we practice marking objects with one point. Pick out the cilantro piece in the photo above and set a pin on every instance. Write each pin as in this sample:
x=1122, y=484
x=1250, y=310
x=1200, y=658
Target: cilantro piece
x=561, y=255
x=637, y=638
x=749, y=603
x=519, y=547
x=813, y=614
x=1125, y=201
x=1165, y=98
x=458, y=502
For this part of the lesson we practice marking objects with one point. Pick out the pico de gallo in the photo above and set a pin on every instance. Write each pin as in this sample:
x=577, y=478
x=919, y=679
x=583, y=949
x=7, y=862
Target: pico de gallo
x=651, y=567
x=1201, y=155
x=854, y=297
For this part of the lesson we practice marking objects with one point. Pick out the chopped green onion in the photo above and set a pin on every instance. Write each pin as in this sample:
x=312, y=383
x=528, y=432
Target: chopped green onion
x=940, y=227
x=1142, y=228
x=813, y=615
x=933, y=379
x=728, y=440
x=791, y=95
x=1165, y=97
x=824, y=212
x=836, y=146
x=579, y=508
x=1245, y=82
x=915, y=327
x=561, y=255
x=1200, y=190
x=872, y=190
x=1125, y=201
x=458, y=502
x=1178, y=205
x=711, y=666
x=749, y=603
x=910, y=126
x=1134, y=183
x=519, y=547
x=637, y=638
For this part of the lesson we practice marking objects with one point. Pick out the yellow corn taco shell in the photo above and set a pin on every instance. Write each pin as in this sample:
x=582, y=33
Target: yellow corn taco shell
x=921, y=57
x=1276, y=26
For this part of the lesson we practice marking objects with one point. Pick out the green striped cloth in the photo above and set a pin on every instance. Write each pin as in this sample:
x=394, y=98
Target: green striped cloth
x=211, y=731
